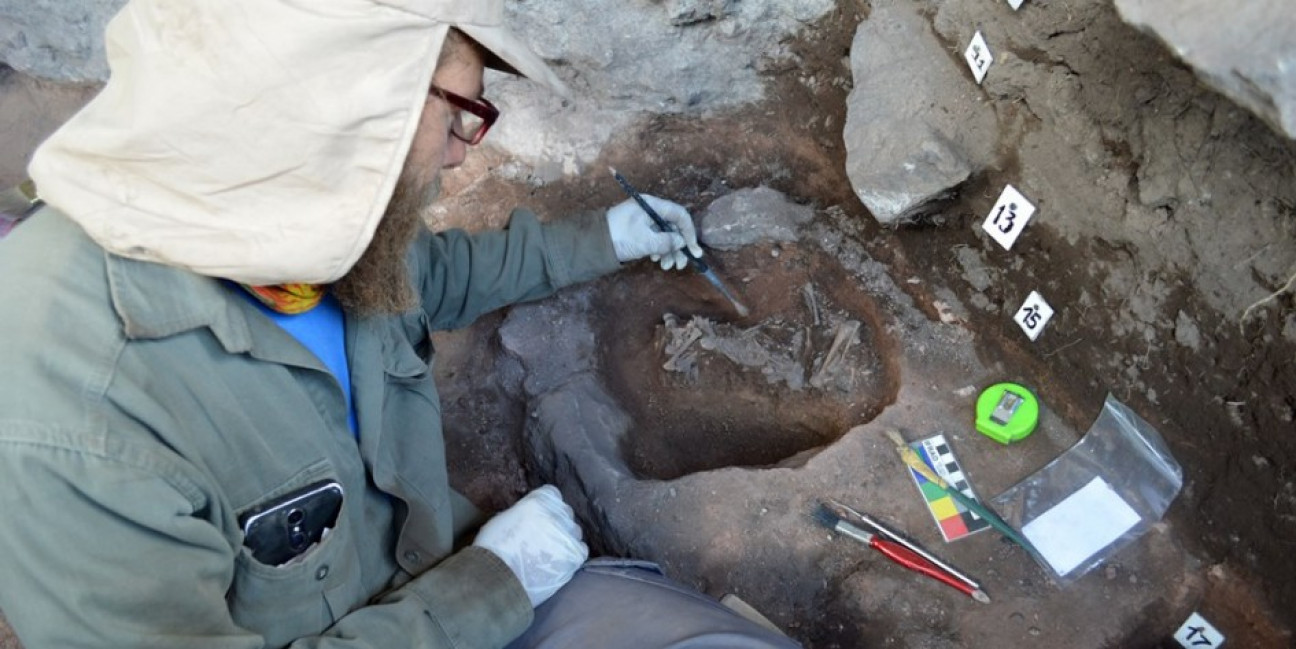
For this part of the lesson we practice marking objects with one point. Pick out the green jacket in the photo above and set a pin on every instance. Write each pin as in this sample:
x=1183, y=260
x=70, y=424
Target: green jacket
x=143, y=408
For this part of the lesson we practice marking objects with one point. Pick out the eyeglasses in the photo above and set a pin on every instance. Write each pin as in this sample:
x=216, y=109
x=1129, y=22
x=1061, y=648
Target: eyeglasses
x=474, y=117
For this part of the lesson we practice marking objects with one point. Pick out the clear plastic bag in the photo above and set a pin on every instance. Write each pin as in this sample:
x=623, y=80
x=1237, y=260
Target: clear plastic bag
x=1097, y=497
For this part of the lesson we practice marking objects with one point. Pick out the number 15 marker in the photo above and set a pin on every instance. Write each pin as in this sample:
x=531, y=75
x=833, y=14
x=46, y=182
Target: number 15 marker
x=1033, y=315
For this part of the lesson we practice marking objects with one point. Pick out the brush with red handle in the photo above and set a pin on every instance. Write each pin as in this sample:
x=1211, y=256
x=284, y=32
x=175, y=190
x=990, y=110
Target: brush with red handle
x=898, y=554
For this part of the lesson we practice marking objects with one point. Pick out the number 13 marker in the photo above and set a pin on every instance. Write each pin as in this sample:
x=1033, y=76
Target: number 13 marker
x=1033, y=315
x=1008, y=217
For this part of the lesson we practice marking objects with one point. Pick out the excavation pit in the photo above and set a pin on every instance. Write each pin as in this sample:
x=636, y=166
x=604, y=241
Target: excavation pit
x=705, y=389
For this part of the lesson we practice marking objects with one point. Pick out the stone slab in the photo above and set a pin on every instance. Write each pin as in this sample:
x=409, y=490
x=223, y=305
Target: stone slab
x=749, y=216
x=917, y=125
x=1245, y=50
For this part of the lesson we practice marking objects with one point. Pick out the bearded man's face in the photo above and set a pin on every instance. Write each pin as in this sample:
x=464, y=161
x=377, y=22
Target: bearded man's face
x=379, y=283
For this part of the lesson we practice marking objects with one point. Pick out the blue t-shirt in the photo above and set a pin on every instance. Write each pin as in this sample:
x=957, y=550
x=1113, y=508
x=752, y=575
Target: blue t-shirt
x=321, y=330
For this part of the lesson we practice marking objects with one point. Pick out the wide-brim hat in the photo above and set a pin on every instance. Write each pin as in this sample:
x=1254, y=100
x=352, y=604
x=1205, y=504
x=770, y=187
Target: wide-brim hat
x=514, y=56
x=257, y=140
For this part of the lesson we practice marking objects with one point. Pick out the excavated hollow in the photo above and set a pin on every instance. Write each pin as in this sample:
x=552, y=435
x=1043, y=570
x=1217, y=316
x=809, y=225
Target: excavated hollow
x=810, y=361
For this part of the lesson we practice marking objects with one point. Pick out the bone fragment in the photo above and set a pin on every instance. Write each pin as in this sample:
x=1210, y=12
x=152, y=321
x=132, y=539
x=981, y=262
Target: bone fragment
x=811, y=303
x=842, y=341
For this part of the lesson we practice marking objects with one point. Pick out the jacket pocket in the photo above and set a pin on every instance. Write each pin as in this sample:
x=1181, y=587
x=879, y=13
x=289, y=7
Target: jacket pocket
x=301, y=598
x=407, y=351
x=410, y=393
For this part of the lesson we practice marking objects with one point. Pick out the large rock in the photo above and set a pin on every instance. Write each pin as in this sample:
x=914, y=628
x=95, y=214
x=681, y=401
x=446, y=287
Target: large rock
x=1246, y=50
x=624, y=61
x=749, y=216
x=30, y=109
x=916, y=123
x=627, y=60
x=59, y=40
x=551, y=345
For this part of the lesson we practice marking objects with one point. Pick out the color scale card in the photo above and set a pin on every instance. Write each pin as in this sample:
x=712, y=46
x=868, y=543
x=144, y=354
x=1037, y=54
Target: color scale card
x=954, y=520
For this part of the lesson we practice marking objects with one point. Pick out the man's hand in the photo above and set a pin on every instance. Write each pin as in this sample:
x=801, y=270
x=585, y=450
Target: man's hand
x=537, y=538
x=635, y=235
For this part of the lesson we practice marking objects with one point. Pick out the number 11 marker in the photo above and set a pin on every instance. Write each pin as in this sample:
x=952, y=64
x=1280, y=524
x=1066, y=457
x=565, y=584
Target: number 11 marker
x=978, y=57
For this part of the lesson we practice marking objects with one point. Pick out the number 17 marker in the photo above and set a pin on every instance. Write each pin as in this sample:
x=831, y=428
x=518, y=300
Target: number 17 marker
x=1008, y=217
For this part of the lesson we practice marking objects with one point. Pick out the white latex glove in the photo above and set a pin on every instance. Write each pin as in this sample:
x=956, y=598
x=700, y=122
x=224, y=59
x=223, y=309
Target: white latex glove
x=538, y=539
x=635, y=235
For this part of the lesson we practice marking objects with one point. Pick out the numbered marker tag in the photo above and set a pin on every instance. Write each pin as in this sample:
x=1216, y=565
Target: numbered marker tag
x=1008, y=217
x=1015, y=4
x=978, y=57
x=1033, y=315
x=1197, y=632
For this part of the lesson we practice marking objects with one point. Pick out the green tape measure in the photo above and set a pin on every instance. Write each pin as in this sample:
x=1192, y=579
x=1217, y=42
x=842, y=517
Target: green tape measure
x=1006, y=412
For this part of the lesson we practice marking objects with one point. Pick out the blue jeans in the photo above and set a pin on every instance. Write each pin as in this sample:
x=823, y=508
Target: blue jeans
x=626, y=604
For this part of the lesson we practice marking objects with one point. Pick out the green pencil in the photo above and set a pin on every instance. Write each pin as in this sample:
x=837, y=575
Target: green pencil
x=912, y=460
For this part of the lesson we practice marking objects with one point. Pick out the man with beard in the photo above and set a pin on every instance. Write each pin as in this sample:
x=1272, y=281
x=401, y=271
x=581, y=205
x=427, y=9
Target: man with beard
x=218, y=426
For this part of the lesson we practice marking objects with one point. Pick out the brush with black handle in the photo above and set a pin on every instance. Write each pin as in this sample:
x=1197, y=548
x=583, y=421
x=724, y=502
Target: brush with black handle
x=897, y=553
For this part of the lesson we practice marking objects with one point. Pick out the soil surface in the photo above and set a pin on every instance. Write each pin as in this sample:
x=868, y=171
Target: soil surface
x=1147, y=315
x=1149, y=309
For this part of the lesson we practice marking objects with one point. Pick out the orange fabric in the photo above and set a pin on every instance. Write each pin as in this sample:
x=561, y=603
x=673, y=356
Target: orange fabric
x=288, y=298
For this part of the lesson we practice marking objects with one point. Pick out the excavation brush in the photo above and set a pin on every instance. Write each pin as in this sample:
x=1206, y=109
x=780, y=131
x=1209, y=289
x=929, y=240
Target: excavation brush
x=695, y=261
x=895, y=548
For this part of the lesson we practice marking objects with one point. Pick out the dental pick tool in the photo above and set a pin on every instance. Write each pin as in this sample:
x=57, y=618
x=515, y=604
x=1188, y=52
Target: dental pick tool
x=696, y=262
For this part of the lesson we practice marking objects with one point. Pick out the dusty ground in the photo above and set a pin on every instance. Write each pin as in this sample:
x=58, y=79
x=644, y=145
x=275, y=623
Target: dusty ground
x=1149, y=313
x=1142, y=276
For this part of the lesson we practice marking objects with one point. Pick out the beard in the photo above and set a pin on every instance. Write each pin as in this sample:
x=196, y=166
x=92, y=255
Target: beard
x=379, y=282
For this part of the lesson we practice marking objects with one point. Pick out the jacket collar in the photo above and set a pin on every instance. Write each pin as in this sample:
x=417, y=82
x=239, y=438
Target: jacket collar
x=155, y=301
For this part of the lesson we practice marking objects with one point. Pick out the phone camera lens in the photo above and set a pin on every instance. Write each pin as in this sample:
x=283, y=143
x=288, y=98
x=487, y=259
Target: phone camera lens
x=296, y=516
x=297, y=539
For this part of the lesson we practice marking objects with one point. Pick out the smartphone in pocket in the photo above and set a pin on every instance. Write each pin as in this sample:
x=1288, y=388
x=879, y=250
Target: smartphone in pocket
x=279, y=530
